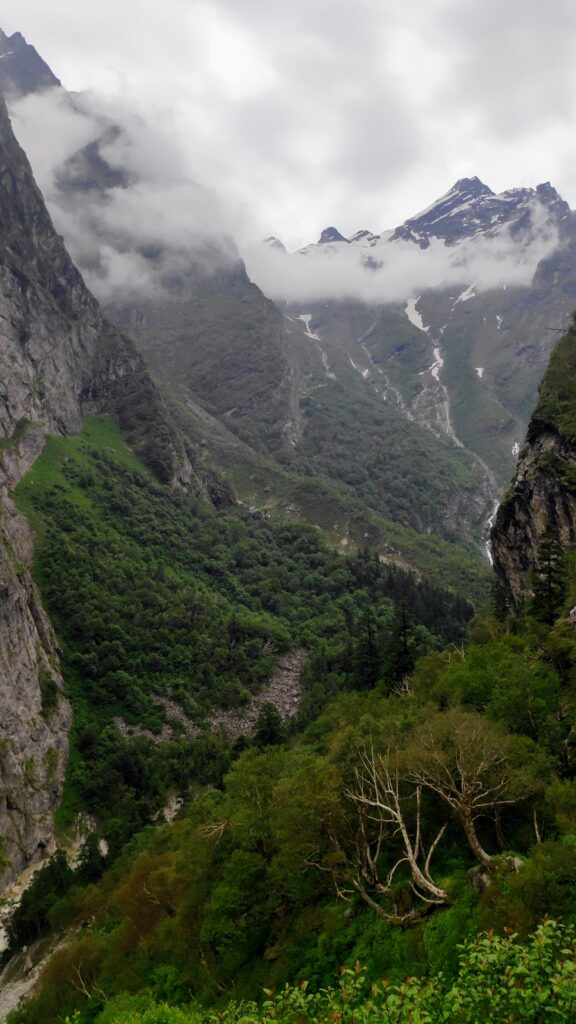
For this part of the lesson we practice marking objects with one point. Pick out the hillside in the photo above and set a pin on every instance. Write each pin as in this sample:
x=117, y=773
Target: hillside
x=396, y=827
x=464, y=350
x=59, y=358
x=275, y=744
x=214, y=341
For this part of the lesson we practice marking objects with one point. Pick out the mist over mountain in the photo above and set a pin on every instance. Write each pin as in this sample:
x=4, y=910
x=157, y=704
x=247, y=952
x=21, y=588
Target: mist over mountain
x=468, y=235
x=120, y=192
x=270, y=726
x=22, y=69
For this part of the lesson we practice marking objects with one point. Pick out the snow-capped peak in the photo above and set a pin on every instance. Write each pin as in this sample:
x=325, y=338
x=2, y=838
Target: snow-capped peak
x=274, y=243
x=331, y=235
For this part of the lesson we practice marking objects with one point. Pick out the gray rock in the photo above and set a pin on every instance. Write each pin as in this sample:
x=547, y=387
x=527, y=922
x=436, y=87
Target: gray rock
x=59, y=358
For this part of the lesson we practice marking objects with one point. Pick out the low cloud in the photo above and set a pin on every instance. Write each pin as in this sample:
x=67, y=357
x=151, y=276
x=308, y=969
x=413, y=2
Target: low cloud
x=120, y=192
x=402, y=269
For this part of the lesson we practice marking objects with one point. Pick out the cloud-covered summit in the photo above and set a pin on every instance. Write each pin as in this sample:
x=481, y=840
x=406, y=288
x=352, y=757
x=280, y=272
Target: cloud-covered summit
x=324, y=111
x=468, y=235
x=121, y=193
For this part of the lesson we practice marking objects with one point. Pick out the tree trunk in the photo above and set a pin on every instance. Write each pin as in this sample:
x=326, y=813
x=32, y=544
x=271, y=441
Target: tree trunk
x=474, y=843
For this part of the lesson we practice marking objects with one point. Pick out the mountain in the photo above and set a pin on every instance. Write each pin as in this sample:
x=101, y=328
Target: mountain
x=282, y=754
x=462, y=359
x=22, y=69
x=220, y=348
x=471, y=208
x=59, y=359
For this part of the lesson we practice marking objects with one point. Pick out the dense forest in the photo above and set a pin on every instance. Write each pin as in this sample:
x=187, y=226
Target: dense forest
x=157, y=597
x=423, y=796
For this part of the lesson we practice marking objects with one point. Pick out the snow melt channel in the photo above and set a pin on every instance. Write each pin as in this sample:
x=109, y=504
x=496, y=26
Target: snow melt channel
x=306, y=318
x=490, y=524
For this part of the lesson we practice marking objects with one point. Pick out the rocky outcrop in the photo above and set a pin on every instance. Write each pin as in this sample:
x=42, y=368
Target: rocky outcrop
x=22, y=69
x=34, y=714
x=59, y=358
x=541, y=502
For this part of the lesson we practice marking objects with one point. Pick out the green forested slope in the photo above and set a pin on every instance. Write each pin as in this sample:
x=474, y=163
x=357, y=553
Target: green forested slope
x=253, y=368
x=155, y=596
x=396, y=827
x=431, y=798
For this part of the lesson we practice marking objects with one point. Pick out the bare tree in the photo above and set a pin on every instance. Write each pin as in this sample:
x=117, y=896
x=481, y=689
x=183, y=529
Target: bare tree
x=468, y=763
x=388, y=812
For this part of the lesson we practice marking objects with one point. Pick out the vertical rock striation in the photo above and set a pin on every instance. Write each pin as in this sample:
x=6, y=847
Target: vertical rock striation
x=59, y=358
x=542, y=499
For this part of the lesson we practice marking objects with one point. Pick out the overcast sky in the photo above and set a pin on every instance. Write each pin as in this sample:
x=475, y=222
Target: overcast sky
x=348, y=112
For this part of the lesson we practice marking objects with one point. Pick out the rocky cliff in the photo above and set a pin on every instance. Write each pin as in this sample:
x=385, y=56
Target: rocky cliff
x=22, y=69
x=59, y=358
x=542, y=499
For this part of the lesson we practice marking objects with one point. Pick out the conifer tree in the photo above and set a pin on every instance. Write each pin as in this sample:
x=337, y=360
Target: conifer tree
x=549, y=580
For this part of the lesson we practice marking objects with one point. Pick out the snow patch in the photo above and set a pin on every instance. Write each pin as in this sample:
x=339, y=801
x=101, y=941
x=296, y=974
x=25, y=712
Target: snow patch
x=515, y=449
x=498, y=322
x=468, y=293
x=413, y=314
x=306, y=318
x=437, y=365
x=479, y=371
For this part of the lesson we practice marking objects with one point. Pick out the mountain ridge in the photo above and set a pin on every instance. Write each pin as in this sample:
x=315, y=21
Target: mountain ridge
x=22, y=69
x=59, y=359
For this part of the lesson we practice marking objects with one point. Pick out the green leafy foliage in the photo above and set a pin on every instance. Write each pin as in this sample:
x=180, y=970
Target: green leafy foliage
x=557, y=402
x=283, y=865
x=499, y=980
x=156, y=596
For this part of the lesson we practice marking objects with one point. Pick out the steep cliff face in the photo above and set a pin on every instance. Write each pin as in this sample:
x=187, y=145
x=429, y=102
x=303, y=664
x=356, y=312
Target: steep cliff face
x=542, y=499
x=59, y=358
x=34, y=715
x=22, y=69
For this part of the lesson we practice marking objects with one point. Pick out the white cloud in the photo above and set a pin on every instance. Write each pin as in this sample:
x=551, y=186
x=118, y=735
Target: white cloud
x=312, y=112
x=148, y=222
x=338, y=271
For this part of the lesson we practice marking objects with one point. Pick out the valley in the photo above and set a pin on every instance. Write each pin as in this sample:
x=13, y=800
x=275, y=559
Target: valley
x=287, y=594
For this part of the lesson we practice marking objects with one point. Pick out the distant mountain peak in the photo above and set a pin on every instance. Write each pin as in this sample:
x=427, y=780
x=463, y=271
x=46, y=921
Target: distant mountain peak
x=471, y=186
x=274, y=243
x=547, y=192
x=331, y=235
x=22, y=69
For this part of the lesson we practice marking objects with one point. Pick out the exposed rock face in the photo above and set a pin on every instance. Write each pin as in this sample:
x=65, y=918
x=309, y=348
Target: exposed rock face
x=34, y=715
x=542, y=499
x=59, y=358
x=540, y=502
x=22, y=69
x=464, y=358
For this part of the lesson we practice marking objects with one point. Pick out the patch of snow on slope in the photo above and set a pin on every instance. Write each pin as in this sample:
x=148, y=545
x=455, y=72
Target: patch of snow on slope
x=363, y=373
x=413, y=314
x=468, y=293
x=306, y=318
x=438, y=364
x=479, y=371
